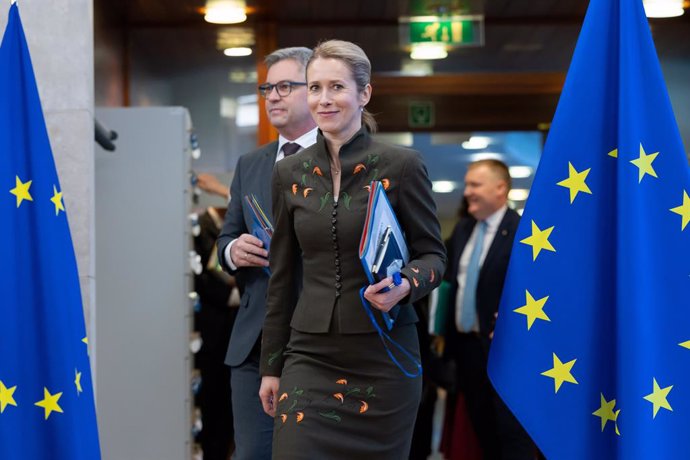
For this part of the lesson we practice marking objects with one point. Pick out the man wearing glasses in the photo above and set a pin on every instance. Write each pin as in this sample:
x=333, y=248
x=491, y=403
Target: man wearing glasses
x=243, y=255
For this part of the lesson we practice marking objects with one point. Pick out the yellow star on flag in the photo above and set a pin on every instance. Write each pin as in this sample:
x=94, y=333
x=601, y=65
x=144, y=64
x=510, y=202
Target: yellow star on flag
x=539, y=240
x=57, y=201
x=685, y=344
x=683, y=210
x=6, y=396
x=560, y=372
x=644, y=164
x=658, y=398
x=613, y=153
x=49, y=403
x=21, y=190
x=575, y=182
x=77, y=381
x=85, y=340
x=605, y=411
x=533, y=309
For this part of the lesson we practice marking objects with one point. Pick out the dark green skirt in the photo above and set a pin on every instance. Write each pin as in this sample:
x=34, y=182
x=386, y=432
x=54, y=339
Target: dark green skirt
x=341, y=397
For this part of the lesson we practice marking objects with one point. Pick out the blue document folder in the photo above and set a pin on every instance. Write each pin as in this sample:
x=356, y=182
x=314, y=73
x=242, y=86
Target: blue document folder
x=261, y=226
x=382, y=248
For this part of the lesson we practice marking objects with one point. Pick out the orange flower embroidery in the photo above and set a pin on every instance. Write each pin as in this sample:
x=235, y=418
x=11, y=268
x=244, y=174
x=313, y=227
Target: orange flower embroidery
x=300, y=416
x=416, y=283
x=294, y=189
x=317, y=171
x=341, y=382
x=386, y=183
x=367, y=188
x=432, y=276
x=283, y=417
x=283, y=397
x=359, y=168
x=307, y=191
x=339, y=397
x=364, y=407
x=414, y=269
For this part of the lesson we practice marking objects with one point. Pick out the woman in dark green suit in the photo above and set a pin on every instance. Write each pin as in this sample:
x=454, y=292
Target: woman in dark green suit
x=327, y=379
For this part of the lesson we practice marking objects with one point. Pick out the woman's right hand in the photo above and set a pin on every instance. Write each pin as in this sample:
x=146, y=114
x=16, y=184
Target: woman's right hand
x=268, y=393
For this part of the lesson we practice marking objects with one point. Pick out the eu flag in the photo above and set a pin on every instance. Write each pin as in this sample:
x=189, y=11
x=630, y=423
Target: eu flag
x=46, y=398
x=592, y=343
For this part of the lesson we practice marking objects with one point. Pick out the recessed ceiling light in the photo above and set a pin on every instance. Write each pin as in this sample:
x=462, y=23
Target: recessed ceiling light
x=485, y=156
x=428, y=50
x=520, y=172
x=238, y=51
x=443, y=186
x=476, y=143
x=663, y=8
x=518, y=194
x=225, y=12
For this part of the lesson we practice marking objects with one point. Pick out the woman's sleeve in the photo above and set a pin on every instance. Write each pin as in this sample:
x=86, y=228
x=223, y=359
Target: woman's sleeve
x=282, y=288
x=416, y=211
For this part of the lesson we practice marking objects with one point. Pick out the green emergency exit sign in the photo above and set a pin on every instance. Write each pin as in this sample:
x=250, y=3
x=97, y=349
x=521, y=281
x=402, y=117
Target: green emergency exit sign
x=420, y=114
x=450, y=32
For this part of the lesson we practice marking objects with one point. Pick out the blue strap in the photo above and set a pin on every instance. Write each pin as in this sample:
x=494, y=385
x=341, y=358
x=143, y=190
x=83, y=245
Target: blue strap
x=385, y=337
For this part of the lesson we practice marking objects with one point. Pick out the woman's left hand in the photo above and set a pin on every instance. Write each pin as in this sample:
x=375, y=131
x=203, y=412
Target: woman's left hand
x=384, y=301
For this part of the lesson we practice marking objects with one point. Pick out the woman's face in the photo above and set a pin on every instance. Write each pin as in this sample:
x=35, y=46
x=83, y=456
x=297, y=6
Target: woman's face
x=334, y=100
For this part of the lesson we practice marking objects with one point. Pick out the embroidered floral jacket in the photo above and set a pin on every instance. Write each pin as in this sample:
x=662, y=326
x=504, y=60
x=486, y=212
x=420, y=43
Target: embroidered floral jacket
x=325, y=233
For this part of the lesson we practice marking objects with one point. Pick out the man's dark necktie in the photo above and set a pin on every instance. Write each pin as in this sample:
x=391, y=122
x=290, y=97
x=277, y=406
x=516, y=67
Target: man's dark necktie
x=290, y=148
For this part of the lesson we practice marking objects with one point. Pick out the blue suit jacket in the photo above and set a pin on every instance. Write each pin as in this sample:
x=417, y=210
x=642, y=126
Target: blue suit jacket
x=491, y=276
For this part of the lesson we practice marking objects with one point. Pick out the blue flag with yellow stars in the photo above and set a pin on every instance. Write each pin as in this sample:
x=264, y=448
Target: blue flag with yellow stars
x=591, y=350
x=46, y=397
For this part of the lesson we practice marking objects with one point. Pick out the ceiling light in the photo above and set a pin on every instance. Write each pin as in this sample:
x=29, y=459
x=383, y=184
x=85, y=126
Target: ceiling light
x=443, y=186
x=225, y=12
x=485, y=156
x=428, y=50
x=663, y=8
x=416, y=68
x=476, y=143
x=520, y=172
x=238, y=51
x=518, y=194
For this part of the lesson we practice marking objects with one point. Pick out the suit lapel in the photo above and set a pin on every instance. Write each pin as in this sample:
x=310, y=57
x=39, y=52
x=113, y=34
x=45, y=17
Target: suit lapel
x=263, y=179
x=502, y=237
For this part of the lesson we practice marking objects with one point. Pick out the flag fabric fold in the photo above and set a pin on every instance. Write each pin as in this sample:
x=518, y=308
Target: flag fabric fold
x=592, y=344
x=46, y=397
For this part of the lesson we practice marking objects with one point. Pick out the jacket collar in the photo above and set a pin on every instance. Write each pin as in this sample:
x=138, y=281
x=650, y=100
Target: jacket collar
x=349, y=151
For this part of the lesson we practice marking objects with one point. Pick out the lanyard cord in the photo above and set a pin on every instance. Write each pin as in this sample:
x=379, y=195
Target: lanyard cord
x=385, y=337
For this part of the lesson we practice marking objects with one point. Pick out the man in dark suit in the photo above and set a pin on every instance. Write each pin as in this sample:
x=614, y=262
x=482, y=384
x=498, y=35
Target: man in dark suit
x=478, y=254
x=243, y=255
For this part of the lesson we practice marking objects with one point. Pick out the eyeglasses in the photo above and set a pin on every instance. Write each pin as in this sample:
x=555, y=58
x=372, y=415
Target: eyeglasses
x=284, y=88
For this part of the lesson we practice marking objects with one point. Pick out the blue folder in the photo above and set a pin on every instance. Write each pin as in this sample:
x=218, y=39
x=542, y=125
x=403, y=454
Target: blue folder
x=382, y=249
